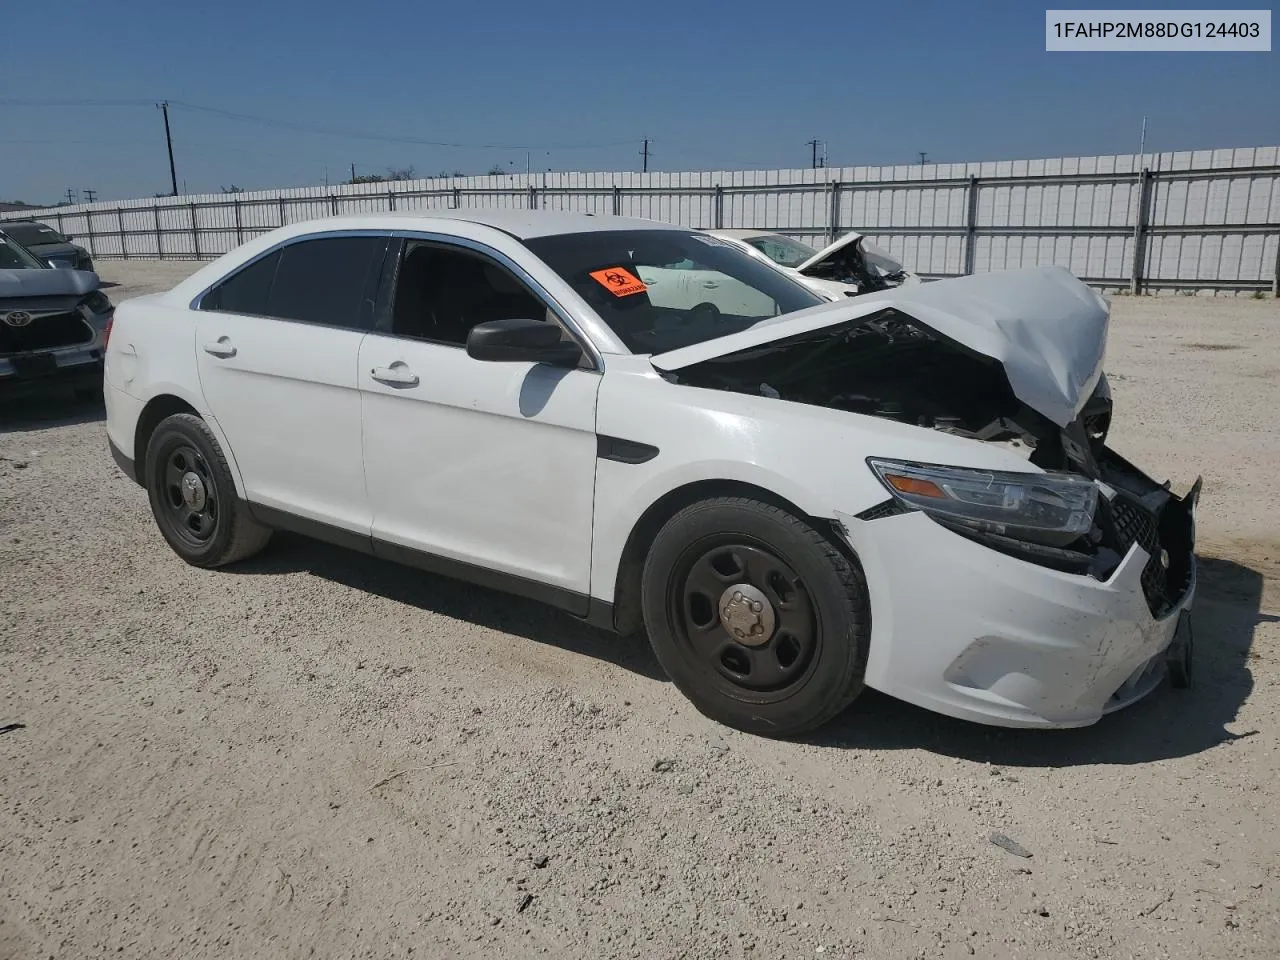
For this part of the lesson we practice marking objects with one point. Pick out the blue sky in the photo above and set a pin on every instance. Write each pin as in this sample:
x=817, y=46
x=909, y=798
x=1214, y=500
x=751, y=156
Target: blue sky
x=577, y=84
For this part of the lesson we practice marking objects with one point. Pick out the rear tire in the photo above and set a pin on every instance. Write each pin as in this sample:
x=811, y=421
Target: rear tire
x=759, y=619
x=193, y=496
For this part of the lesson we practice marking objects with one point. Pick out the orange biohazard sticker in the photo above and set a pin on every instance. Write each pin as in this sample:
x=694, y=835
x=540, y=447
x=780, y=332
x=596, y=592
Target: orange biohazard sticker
x=619, y=281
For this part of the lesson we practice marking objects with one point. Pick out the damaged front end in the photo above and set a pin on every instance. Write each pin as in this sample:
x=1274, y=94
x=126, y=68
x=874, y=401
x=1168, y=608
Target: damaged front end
x=889, y=365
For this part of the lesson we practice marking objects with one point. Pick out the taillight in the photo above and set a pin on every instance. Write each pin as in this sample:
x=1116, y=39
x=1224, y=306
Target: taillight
x=106, y=332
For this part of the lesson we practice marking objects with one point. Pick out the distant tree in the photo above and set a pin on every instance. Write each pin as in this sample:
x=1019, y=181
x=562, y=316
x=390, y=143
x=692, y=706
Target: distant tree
x=367, y=178
x=400, y=173
x=233, y=189
x=497, y=170
x=445, y=174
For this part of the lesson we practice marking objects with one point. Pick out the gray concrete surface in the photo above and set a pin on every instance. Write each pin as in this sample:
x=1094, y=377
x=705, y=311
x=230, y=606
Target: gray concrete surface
x=315, y=754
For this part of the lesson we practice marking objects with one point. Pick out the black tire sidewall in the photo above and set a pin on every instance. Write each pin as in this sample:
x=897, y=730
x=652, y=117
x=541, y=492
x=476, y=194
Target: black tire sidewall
x=186, y=430
x=843, y=640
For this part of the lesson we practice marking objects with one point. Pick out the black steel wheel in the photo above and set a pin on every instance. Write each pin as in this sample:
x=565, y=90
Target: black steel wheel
x=758, y=618
x=193, y=496
x=190, y=495
x=747, y=613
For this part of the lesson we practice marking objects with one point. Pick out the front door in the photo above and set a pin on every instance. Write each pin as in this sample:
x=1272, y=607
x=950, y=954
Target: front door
x=277, y=345
x=487, y=464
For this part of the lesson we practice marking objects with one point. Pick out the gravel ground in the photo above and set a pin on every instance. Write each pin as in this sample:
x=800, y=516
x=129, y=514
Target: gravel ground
x=317, y=754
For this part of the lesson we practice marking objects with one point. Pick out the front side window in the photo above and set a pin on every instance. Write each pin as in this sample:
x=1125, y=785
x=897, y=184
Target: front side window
x=442, y=292
x=324, y=281
x=660, y=290
x=782, y=250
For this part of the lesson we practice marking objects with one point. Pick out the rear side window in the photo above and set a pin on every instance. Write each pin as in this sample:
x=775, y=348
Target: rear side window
x=325, y=281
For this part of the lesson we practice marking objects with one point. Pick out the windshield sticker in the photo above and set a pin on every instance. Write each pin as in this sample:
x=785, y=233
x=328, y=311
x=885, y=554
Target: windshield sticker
x=619, y=281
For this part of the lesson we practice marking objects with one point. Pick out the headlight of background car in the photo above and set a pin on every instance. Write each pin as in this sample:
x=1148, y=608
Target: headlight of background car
x=1049, y=508
x=97, y=302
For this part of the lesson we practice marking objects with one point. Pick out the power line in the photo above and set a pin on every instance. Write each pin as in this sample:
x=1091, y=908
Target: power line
x=388, y=138
x=314, y=128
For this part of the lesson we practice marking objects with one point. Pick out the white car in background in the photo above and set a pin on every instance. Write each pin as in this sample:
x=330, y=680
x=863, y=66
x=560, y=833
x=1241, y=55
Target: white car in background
x=849, y=267
x=909, y=490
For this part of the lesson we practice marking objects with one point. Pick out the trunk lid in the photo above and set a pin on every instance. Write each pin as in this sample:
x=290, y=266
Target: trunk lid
x=1045, y=328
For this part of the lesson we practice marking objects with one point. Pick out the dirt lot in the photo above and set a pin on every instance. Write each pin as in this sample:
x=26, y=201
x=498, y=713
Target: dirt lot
x=316, y=754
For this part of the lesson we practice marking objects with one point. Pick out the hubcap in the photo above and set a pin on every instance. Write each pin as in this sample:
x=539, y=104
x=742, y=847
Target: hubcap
x=190, y=495
x=747, y=614
x=193, y=492
x=744, y=614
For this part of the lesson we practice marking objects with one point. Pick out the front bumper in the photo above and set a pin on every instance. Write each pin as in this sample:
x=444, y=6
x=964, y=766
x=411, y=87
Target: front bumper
x=79, y=366
x=973, y=633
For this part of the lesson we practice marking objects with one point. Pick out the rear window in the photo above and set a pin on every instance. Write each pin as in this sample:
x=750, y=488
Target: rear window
x=33, y=233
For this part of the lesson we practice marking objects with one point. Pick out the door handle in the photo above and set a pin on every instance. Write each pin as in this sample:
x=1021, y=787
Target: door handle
x=396, y=375
x=222, y=347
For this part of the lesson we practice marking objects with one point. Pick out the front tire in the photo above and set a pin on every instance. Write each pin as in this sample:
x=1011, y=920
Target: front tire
x=193, y=497
x=759, y=619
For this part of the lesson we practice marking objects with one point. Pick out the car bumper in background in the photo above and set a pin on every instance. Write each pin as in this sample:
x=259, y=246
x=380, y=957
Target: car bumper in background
x=969, y=632
x=32, y=373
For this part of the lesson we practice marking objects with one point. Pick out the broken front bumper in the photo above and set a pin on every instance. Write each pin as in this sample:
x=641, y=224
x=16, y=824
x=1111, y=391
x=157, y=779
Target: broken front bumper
x=971, y=632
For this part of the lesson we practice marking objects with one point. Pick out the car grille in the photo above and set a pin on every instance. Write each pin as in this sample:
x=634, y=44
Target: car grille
x=46, y=332
x=1136, y=524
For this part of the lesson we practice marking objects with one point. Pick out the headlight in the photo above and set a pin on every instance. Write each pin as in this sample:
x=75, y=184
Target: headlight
x=1048, y=508
x=97, y=302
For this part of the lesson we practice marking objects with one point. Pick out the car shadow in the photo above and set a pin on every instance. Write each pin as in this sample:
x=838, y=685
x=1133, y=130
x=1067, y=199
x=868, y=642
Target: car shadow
x=1168, y=723
x=453, y=598
x=49, y=407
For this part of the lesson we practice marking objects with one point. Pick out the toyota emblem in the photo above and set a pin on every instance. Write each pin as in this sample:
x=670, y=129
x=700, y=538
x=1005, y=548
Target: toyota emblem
x=17, y=318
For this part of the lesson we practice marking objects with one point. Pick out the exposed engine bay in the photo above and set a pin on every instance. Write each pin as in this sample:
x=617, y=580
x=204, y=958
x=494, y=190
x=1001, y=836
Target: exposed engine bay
x=859, y=267
x=889, y=366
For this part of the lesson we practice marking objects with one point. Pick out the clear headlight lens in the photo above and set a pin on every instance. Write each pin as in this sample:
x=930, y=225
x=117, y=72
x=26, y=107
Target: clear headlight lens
x=1048, y=508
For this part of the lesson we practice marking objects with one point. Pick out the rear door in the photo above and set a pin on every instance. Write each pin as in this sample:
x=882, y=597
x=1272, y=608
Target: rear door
x=276, y=346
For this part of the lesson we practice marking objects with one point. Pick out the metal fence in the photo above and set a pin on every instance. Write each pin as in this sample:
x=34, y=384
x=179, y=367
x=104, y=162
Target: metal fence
x=1204, y=220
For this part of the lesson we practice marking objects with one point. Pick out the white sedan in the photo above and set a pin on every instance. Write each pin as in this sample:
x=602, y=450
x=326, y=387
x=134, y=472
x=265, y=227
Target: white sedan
x=795, y=498
x=849, y=267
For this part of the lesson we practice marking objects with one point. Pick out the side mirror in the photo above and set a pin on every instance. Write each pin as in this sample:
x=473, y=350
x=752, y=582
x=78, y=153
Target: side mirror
x=529, y=341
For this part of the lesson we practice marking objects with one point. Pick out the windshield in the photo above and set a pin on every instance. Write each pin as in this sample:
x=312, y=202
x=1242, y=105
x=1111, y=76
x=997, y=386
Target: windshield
x=660, y=290
x=33, y=233
x=15, y=257
x=782, y=250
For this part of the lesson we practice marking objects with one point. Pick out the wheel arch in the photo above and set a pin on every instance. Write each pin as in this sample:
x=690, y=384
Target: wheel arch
x=626, y=591
x=164, y=404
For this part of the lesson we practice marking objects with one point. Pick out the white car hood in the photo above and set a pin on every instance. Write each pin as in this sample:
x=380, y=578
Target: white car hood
x=1046, y=328
x=828, y=250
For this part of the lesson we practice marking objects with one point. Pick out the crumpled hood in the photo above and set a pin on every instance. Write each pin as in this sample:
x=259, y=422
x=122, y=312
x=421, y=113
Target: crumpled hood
x=46, y=283
x=825, y=253
x=1046, y=328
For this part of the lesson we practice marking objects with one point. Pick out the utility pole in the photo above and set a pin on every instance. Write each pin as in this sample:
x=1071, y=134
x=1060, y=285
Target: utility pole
x=814, y=144
x=71, y=195
x=353, y=171
x=644, y=152
x=922, y=156
x=168, y=139
x=91, y=194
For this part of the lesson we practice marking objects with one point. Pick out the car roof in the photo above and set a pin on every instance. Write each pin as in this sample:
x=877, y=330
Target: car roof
x=522, y=224
x=743, y=234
